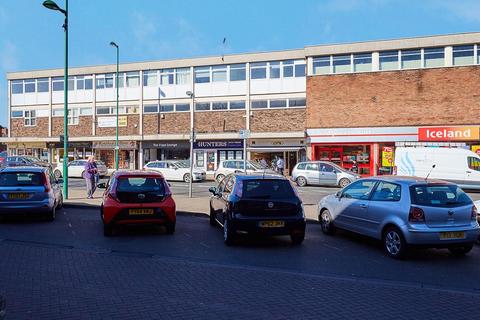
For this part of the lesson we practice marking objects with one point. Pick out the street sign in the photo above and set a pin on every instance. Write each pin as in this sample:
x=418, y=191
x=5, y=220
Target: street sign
x=244, y=133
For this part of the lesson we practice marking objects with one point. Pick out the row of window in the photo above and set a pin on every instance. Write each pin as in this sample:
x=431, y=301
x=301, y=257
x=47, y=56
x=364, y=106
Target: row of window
x=395, y=60
x=29, y=116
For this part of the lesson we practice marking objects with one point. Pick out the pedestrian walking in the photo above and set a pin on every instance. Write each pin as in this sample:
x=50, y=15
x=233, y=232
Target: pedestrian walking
x=354, y=167
x=89, y=174
x=263, y=163
x=280, y=165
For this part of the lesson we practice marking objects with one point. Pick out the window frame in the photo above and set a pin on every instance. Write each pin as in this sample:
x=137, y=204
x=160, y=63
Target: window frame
x=30, y=118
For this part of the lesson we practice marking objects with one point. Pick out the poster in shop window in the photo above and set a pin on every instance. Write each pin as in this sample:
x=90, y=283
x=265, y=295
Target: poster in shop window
x=387, y=157
x=476, y=149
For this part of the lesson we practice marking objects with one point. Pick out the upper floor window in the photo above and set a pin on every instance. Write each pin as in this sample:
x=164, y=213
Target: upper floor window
x=30, y=118
x=150, y=78
x=362, y=62
x=278, y=103
x=300, y=102
x=274, y=70
x=84, y=83
x=105, y=81
x=167, y=76
x=150, y=108
x=182, y=76
x=202, y=106
x=300, y=70
x=17, y=114
x=180, y=107
x=17, y=86
x=29, y=85
x=133, y=79
x=166, y=108
x=57, y=84
x=321, y=65
x=259, y=104
x=71, y=83
x=219, y=105
x=388, y=60
x=463, y=55
x=236, y=105
x=219, y=73
x=341, y=64
x=434, y=57
x=288, y=68
x=42, y=85
x=73, y=116
x=411, y=59
x=202, y=74
x=237, y=72
x=258, y=70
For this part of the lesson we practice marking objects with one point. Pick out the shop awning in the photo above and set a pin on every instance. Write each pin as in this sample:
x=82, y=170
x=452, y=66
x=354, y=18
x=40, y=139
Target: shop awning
x=274, y=149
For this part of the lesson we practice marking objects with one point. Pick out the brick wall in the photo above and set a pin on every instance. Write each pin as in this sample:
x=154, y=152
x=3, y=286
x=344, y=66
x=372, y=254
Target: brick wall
x=219, y=121
x=395, y=98
x=19, y=130
x=278, y=120
x=82, y=129
x=130, y=129
x=172, y=123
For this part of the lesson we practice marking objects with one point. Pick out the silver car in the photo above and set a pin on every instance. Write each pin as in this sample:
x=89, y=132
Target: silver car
x=322, y=173
x=403, y=211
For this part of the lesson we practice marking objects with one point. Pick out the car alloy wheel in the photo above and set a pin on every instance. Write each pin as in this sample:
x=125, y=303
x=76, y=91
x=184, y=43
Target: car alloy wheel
x=301, y=181
x=326, y=222
x=344, y=182
x=394, y=243
x=220, y=177
x=186, y=178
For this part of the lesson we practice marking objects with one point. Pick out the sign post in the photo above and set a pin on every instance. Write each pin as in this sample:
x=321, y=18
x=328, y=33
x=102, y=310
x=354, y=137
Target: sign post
x=244, y=134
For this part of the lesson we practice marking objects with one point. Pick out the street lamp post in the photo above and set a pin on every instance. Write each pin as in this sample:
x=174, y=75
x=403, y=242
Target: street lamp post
x=53, y=6
x=113, y=44
x=192, y=137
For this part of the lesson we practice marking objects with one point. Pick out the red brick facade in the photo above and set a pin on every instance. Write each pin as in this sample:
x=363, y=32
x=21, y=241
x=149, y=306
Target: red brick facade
x=219, y=121
x=172, y=123
x=18, y=129
x=441, y=96
x=284, y=120
x=82, y=129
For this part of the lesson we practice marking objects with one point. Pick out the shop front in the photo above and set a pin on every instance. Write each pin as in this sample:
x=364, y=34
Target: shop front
x=105, y=151
x=76, y=151
x=209, y=153
x=373, y=149
x=166, y=150
x=291, y=151
x=35, y=149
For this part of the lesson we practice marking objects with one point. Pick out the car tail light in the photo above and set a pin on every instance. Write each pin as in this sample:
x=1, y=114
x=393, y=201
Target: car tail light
x=45, y=182
x=416, y=215
x=474, y=213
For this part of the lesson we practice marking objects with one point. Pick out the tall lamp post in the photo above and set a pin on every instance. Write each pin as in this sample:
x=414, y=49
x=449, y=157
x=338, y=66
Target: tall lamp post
x=192, y=137
x=53, y=6
x=113, y=44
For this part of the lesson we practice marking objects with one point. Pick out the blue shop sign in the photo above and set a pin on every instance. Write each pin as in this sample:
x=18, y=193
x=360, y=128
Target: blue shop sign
x=218, y=144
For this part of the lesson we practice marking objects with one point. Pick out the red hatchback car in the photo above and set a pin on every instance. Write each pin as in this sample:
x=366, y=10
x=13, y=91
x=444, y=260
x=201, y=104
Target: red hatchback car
x=135, y=197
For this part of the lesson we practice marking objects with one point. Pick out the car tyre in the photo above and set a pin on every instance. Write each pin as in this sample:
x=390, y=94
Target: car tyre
x=297, y=238
x=228, y=233
x=301, y=181
x=462, y=250
x=108, y=230
x=326, y=222
x=170, y=227
x=394, y=243
x=343, y=182
x=50, y=216
x=213, y=222
x=186, y=177
x=57, y=174
x=219, y=177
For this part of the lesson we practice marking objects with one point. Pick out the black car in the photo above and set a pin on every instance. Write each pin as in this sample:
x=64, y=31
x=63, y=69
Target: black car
x=265, y=204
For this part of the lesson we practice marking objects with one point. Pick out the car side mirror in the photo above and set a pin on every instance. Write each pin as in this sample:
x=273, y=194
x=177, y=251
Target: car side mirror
x=102, y=185
x=212, y=190
x=338, y=194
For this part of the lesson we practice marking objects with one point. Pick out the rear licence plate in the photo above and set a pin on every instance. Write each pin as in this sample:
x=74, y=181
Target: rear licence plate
x=18, y=196
x=134, y=212
x=271, y=224
x=452, y=235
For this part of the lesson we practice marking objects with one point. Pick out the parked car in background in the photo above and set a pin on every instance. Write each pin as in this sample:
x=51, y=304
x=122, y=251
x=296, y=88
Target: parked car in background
x=237, y=166
x=76, y=169
x=264, y=204
x=30, y=190
x=176, y=170
x=24, y=161
x=403, y=212
x=3, y=157
x=134, y=197
x=323, y=173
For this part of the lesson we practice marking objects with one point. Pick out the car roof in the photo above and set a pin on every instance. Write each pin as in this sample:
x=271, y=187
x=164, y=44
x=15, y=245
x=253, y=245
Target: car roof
x=137, y=173
x=257, y=176
x=23, y=169
x=409, y=180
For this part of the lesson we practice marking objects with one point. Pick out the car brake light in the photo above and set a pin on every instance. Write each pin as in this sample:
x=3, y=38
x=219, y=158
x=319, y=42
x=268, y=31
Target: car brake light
x=416, y=215
x=474, y=213
x=45, y=182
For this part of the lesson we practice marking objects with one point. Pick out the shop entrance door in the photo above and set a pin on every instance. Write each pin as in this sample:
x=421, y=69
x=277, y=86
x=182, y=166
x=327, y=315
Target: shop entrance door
x=291, y=157
x=330, y=154
x=211, y=160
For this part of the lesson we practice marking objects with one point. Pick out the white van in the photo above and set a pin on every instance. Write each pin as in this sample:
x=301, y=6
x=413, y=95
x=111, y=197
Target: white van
x=457, y=165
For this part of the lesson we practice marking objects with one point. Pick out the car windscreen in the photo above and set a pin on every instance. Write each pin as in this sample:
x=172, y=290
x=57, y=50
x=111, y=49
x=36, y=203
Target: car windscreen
x=439, y=195
x=19, y=179
x=267, y=189
x=141, y=185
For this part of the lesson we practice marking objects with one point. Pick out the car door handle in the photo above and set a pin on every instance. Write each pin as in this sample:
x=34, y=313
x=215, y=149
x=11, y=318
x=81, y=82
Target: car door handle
x=468, y=171
x=363, y=205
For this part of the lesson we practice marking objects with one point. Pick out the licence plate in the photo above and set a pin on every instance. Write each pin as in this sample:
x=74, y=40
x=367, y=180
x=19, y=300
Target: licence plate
x=18, y=196
x=134, y=212
x=452, y=235
x=271, y=224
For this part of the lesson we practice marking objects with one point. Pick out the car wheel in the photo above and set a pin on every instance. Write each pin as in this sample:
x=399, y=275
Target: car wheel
x=326, y=222
x=297, y=238
x=170, y=226
x=52, y=213
x=394, y=243
x=57, y=174
x=213, y=222
x=301, y=181
x=343, y=182
x=460, y=251
x=228, y=233
x=186, y=177
x=219, y=177
x=108, y=230
x=81, y=176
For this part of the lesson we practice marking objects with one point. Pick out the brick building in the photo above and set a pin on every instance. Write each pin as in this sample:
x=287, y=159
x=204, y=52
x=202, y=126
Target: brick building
x=343, y=103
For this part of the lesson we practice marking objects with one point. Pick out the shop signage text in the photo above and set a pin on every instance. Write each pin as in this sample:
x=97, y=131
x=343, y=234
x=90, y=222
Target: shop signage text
x=449, y=134
x=111, y=145
x=167, y=145
x=218, y=144
x=111, y=122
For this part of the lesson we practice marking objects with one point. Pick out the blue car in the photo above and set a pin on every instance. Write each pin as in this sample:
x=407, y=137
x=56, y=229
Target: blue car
x=32, y=190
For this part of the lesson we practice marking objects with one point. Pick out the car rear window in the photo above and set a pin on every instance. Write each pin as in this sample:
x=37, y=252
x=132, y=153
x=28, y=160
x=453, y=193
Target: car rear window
x=435, y=195
x=18, y=179
x=267, y=189
x=141, y=184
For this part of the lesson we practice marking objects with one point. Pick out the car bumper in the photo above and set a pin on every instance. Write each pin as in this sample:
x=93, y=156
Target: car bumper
x=252, y=225
x=120, y=214
x=425, y=236
x=26, y=207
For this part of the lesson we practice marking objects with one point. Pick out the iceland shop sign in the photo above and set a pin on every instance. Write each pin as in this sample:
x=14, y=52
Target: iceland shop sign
x=448, y=134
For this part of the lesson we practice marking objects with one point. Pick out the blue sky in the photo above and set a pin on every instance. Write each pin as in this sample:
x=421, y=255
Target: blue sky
x=31, y=36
